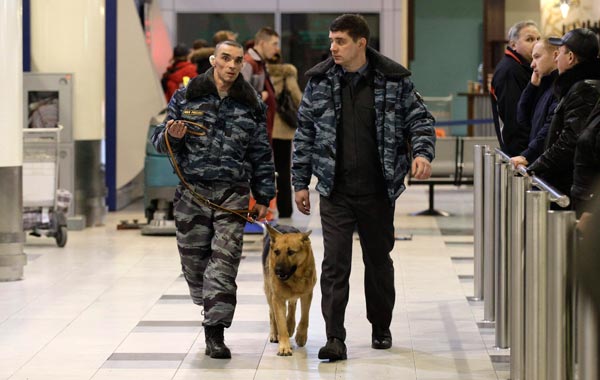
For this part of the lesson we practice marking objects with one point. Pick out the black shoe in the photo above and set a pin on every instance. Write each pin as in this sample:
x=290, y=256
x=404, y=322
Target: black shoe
x=215, y=343
x=381, y=339
x=381, y=342
x=334, y=349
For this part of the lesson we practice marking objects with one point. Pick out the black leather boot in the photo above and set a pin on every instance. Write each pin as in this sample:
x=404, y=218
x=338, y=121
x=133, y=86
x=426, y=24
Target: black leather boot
x=215, y=342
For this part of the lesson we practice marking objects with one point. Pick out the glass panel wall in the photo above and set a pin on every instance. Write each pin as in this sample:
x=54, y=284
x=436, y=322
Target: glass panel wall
x=305, y=38
x=192, y=26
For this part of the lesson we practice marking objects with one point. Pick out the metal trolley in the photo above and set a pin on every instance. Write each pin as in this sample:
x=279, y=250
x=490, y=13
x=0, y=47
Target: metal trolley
x=45, y=206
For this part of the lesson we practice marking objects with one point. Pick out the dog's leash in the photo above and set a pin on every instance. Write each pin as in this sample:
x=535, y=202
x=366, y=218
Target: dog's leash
x=196, y=197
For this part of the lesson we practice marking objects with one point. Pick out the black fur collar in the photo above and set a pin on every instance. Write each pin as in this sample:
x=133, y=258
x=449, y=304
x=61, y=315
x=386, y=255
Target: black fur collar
x=389, y=68
x=579, y=72
x=204, y=84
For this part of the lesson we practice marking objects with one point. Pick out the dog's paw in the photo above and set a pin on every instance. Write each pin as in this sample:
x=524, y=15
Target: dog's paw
x=301, y=337
x=273, y=338
x=284, y=351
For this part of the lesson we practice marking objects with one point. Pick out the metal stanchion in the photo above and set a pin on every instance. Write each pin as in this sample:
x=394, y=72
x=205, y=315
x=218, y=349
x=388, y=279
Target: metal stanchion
x=517, y=278
x=500, y=254
x=478, y=221
x=489, y=160
x=587, y=338
x=535, y=290
x=561, y=229
x=539, y=293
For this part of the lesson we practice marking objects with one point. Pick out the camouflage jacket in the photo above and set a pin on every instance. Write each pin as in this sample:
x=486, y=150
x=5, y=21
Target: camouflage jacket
x=403, y=125
x=235, y=147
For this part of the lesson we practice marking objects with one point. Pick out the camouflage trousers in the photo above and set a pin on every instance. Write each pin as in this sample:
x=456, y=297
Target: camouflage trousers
x=210, y=247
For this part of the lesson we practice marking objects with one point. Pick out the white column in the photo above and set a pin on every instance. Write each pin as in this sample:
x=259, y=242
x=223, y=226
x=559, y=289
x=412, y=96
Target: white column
x=67, y=36
x=12, y=258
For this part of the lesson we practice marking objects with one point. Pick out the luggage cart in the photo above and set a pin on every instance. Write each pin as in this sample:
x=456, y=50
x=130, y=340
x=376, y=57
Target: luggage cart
x=45, y=206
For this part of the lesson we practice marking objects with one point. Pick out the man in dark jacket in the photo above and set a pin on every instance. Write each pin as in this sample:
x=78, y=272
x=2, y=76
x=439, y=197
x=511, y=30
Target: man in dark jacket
x=537, y=103
x=587, y=165
x=360, y=125
x=577, y=89
x=216, y=129
x=510, y=78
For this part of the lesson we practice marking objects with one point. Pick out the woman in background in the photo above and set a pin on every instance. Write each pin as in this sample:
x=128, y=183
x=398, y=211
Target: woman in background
x=283, y=133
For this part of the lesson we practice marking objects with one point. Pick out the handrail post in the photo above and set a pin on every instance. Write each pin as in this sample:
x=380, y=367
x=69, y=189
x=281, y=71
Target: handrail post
x=536, y=203
x=587, y=338
x=517, y=276
x=500, y=253
x=478, y=221
x=561, y=230
x=488, y=237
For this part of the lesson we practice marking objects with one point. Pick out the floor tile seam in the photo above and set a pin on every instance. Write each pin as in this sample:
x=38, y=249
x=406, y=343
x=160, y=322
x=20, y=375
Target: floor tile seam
x=35, y=298
x=188, y=352
x=261, y=358
x=64, y=327
x=41, y=349
x=478, y=329
x=115, y=280
x=408, y=321
x=410, y=327
x=149, y=309
x=474, y=319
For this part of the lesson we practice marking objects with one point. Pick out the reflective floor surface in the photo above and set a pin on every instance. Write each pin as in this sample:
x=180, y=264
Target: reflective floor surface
x=113, y=305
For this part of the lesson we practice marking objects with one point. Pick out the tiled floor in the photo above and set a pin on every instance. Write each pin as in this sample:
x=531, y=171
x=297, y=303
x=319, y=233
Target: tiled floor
x=112, y=305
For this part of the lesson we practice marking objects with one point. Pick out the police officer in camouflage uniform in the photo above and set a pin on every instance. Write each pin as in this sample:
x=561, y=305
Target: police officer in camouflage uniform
x=360, y=124
x=223, y=155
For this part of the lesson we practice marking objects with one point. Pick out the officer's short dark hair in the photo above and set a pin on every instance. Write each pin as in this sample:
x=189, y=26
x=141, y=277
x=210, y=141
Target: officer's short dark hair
x=354, y=24
x=264, y=34
x=229, y=43
x=223, y=35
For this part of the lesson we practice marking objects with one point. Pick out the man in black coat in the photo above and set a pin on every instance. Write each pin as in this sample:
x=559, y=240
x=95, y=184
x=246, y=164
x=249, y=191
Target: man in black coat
x=577, y=89
x=510, y=78
x=587, y=167
x=537, y=103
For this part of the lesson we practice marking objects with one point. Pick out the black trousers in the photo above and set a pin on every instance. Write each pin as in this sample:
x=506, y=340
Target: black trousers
x=374, y=217
x=282, y=155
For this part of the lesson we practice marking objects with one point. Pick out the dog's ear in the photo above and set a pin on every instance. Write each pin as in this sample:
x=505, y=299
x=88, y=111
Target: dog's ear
x=273, y=233
x=305, y=236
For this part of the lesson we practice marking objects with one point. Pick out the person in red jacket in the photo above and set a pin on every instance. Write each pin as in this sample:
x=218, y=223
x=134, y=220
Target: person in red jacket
x=172, y=79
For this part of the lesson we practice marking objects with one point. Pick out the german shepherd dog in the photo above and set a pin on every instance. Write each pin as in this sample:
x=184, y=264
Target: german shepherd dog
x=289, y=274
